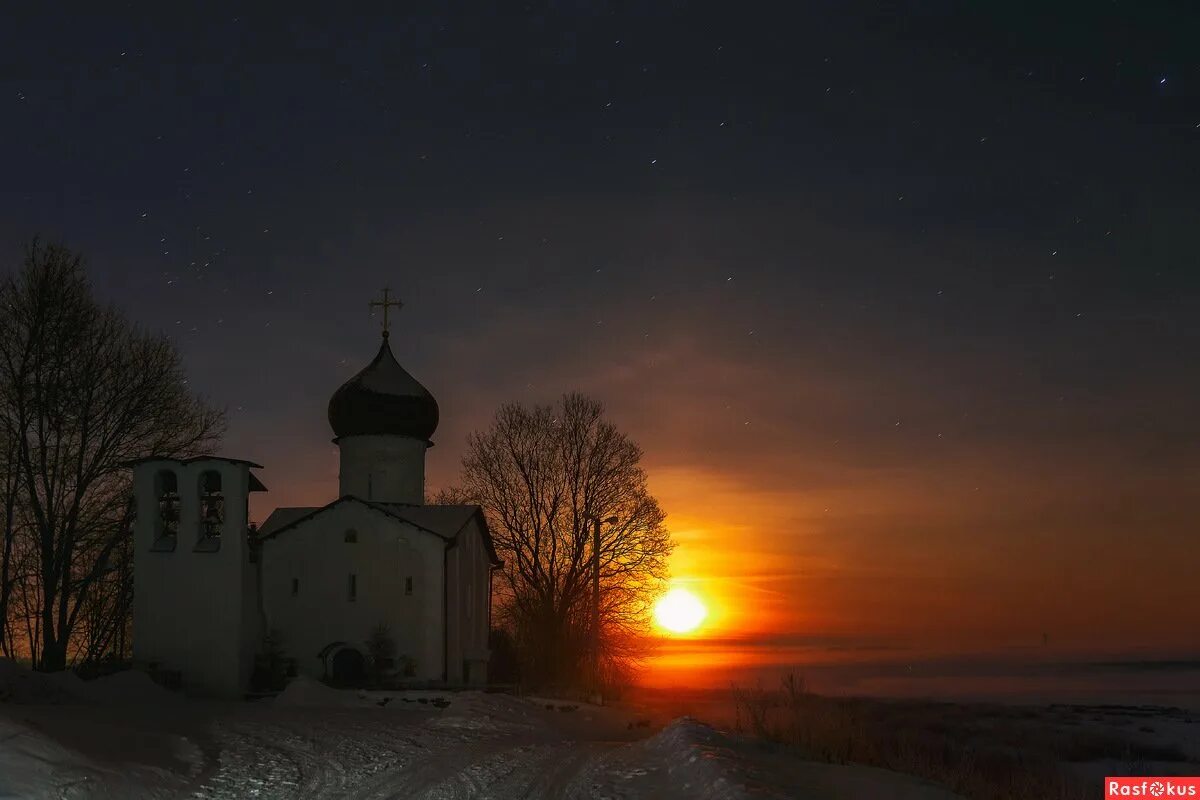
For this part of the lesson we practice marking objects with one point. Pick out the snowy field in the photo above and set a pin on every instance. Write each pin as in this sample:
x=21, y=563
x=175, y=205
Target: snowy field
x=124, y=737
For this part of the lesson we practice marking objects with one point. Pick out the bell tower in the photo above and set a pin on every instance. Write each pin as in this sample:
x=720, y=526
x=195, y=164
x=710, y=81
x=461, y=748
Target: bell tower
x=195, y=599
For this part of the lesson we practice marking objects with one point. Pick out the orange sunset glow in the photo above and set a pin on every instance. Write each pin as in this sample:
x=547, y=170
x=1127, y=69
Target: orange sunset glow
x=572, y=400
x=680, y=611
x=813, y=542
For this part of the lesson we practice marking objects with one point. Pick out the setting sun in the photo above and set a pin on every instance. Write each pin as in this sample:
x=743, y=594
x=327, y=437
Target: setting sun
x=679, y=611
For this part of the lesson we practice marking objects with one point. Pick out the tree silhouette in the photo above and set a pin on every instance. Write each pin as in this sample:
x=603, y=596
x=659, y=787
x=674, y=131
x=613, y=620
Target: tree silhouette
x=542, y=475
x=82, y=392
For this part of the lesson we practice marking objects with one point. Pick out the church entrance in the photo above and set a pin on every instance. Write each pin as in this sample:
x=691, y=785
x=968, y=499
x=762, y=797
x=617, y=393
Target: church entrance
x=349, y=668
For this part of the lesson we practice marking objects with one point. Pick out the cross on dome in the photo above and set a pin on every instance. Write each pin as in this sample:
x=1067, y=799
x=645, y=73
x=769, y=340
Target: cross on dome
x=385, y=304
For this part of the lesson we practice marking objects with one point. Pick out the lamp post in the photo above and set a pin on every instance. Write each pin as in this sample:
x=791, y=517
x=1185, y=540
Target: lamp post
x=596, y=598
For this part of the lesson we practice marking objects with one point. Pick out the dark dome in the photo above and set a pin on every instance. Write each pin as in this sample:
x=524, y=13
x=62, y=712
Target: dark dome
x=383, y=399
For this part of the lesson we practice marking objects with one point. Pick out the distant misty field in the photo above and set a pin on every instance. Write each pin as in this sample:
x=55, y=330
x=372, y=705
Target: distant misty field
x=1163, y=682
x=1027, y=747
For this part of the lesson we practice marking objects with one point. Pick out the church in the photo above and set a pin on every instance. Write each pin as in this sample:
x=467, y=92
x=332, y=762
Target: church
x=209, y=588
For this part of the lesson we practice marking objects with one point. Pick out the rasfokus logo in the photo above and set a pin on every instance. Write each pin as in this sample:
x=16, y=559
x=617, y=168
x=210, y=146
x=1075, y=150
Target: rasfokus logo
x=1152, y=787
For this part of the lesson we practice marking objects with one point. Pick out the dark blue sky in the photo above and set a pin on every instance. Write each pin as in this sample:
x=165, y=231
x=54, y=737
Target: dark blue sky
x=920, y=280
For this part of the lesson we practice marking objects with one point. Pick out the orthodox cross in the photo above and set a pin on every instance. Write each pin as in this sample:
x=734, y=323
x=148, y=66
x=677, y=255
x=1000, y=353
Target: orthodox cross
x=385, y=304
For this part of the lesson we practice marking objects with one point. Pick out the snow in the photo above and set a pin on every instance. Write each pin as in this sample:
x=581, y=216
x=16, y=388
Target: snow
x=31, y=763
x=126, y=688
x=123, y=736
x=306, y=693
x=21, y=686
x=494, y=713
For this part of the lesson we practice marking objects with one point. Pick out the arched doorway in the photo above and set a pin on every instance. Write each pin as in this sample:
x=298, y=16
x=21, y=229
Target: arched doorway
x=348, y=667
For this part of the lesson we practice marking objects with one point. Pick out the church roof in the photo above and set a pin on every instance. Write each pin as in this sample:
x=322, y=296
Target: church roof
x=443, y=521
x=255, y=484
x=284, y=517
x=446, y=521
x=383, y=399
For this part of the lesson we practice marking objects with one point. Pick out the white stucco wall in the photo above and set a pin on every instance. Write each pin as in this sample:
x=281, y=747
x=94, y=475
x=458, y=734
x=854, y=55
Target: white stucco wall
x=387, y=469
x=195, y=610
x=468, y=570
x=387, y=551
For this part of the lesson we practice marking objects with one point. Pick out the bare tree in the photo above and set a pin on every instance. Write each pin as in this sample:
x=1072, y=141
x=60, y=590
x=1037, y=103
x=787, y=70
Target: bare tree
x=9, y=486
x=542, y=475
x=82, y=392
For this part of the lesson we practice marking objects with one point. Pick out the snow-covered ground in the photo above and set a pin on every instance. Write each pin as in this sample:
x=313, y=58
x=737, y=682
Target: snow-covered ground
x=124, y=737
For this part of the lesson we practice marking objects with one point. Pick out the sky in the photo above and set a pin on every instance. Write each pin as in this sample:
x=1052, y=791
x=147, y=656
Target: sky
x=901, y=300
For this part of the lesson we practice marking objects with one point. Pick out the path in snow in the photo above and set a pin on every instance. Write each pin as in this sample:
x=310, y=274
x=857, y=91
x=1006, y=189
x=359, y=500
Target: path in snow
x=98, y=742
x=479, y=747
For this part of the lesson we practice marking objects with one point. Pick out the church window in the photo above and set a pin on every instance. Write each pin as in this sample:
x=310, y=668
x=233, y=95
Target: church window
x=351, y=536
x=166, y=490
x=212, y=505
x=353, y=587
x=408, y=585
x=295, y=586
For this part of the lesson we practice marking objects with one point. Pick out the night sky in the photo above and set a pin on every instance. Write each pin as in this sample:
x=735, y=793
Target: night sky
x=901, y=300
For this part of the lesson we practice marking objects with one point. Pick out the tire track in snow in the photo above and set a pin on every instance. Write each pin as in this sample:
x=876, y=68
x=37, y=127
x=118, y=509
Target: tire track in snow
x=494, y=771
x=322, y=754
x=317, y=758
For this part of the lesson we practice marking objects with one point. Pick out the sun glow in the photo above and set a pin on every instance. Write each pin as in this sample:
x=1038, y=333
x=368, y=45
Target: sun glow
x=679, y=611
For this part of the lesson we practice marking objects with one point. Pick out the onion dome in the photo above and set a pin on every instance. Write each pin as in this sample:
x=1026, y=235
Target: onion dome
x=383, y=399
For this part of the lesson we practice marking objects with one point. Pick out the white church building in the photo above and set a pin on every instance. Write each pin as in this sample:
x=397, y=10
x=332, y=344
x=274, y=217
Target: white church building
x=208, y=587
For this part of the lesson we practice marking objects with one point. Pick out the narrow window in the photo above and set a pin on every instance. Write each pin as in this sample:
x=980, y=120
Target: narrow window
x=295, y=586
x=408, y=585
x=351, y=536
x=166, y=488
x=353, y=587
x=212, y=505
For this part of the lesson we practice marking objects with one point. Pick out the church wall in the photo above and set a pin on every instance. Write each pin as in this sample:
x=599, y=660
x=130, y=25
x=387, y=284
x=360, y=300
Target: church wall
x=478, y=569
x=386, y=469
x=387, y=551
x=194, y=604
x=454, y=612
x=468, y=569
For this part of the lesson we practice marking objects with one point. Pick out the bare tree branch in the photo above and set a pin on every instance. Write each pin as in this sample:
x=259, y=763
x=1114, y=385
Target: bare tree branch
x=82, y=392
x=542, y=474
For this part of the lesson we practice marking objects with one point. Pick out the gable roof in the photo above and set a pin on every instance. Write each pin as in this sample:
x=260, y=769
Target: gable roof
x=443, y=521
x=446, y=521
x=447, y=518
x=282, y=517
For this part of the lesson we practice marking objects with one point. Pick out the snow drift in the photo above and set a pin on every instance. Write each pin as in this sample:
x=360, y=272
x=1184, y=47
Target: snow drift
x=20, y=685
